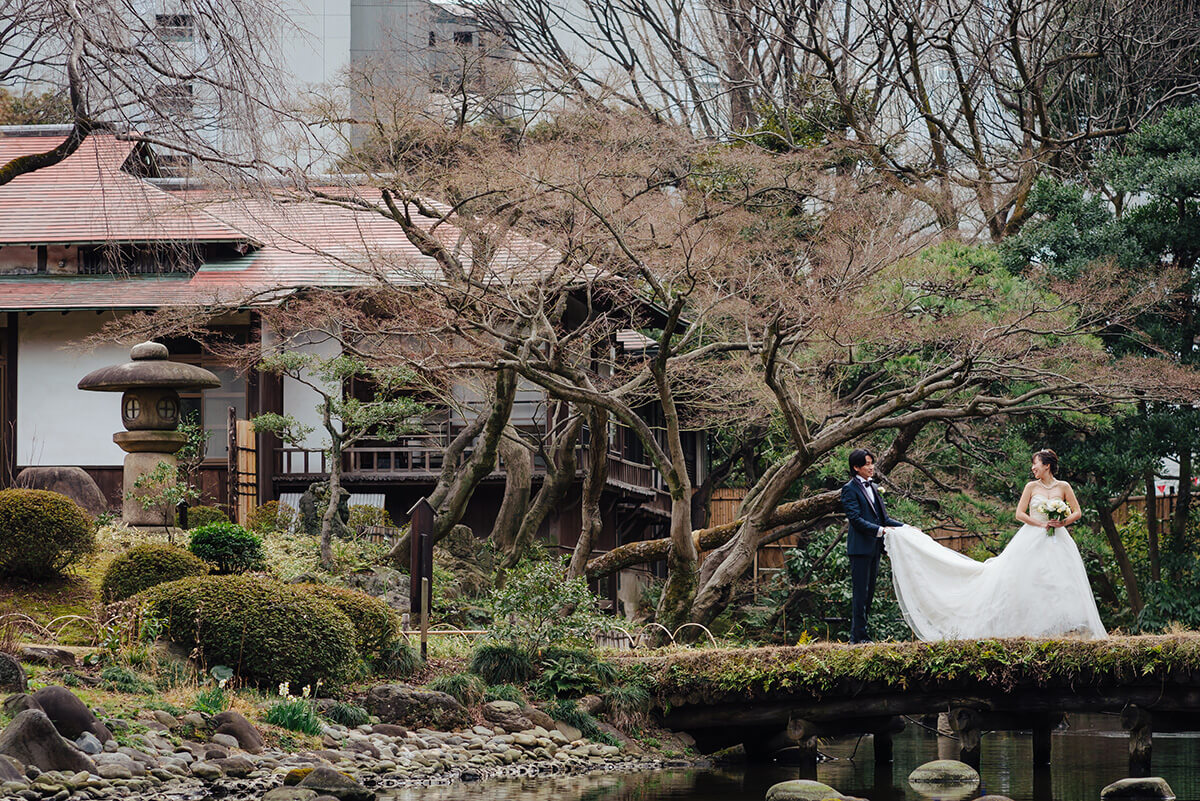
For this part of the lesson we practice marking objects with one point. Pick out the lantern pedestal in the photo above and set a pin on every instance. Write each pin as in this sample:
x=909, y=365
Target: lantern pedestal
x=144, y=451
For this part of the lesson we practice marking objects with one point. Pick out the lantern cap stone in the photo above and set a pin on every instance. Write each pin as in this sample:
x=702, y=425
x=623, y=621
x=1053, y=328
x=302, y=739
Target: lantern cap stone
x=148, y=368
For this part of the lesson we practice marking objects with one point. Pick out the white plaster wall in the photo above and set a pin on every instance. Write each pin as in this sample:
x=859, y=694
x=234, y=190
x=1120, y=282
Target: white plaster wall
x=300, y=401
x=58, y=424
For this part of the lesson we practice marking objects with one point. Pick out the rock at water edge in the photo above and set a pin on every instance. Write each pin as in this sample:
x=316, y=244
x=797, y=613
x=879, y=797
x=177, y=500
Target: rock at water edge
x=944, y=771
x=70, y=715
x=31, y=739
x=1151, y=788
x=801, y=790
x=327, y=781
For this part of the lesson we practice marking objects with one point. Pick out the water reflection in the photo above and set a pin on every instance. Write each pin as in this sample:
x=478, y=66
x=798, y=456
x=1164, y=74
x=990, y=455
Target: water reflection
x=1087, y=756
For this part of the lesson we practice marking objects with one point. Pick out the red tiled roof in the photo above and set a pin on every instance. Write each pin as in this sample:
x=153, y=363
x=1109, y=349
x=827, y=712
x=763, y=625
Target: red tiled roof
x=87, y=198
x=301, y=243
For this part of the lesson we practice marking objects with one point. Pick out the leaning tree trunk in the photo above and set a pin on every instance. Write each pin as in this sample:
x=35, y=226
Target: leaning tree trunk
x=455, y=487
x=593, y=490
x=335, y=492
x=1128, y=576
x=560, y=474
x=518, y=481
x=680, y=589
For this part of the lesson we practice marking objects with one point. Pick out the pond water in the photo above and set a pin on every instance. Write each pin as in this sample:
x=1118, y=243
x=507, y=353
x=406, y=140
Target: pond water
x=1089, y=754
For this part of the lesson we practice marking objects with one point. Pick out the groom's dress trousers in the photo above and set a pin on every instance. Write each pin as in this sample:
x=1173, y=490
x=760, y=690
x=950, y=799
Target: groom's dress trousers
x=868, y=516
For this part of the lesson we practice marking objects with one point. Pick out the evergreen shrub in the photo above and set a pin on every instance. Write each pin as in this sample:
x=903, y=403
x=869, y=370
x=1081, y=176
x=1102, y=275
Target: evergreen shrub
x=466, y=687
x=266, y=631
x=228, y=547
x=41, y=533
x=143, y=566
x=501, y=663
x=375, y=623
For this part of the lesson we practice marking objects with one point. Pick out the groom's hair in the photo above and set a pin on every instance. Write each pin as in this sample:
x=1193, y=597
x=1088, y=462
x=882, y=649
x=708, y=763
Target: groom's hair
x=858, y=458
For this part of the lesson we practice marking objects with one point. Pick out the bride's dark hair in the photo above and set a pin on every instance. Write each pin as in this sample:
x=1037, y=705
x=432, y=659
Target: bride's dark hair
x=1048, y=458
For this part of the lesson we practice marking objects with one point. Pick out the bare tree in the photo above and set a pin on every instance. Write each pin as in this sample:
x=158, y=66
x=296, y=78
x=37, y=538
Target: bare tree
x=959, y=105
x=200, y=81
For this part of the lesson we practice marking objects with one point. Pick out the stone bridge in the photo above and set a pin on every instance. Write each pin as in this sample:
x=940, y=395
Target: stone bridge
x=778, y=701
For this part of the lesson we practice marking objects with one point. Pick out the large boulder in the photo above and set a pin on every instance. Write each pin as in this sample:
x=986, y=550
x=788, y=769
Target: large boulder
x=249, y=738
x=1151, y=788
x=70, y=715
x=801, y=790
x=386, y=583
x=506, y=715
x=54, y=657
x=12, y=675
x=467, y=558
x=313, y=504
x=945, y=778
x=16, y=704
x=32, y=739
x=74, y=482
x=327, y=781
x=407, y=706
x=944, y=771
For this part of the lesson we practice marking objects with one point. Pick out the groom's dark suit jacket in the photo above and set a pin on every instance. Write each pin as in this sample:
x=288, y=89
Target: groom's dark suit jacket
x=865, y=518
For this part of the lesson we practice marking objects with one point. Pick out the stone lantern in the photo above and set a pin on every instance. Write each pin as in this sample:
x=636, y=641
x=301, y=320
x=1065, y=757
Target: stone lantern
x=150, y=412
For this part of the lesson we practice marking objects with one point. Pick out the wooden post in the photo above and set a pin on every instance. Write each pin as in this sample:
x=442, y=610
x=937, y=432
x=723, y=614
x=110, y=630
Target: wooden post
x=1138, y=723
x=420, y=553
x=882, y=741
x=426, y=591
x=1041, y=743
x=966, y=723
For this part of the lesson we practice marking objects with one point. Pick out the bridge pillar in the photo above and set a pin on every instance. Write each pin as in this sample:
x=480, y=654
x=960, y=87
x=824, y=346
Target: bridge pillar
x=1138, y=723
x=1041, y=738
x=882, y=739
x=966, y=723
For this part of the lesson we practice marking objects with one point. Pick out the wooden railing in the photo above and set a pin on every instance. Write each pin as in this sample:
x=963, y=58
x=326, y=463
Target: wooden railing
x=425, y=460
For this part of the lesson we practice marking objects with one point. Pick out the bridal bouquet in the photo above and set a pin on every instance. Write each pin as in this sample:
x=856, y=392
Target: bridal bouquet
x=1052, y=509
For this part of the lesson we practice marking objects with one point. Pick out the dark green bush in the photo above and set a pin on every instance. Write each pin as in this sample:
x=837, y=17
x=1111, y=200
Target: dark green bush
x=466, y=687
x=41, y=533
x=266, y=631
x=198, y=516
x=374, y=621
x=229, y=547
x=397, y=659
x=143, y=566
x=501, y=663
x=348, y=715
x=572, y=672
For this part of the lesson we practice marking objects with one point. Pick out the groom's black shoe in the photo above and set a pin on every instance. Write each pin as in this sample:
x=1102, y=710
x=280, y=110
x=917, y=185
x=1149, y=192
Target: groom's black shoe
x=864, y=641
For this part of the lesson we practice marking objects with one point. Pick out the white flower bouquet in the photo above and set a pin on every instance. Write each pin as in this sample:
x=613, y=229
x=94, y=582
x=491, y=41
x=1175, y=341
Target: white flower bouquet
x=1051, y=509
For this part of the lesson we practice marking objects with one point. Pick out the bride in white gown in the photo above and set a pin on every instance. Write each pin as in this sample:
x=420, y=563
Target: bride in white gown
x=1036, y=587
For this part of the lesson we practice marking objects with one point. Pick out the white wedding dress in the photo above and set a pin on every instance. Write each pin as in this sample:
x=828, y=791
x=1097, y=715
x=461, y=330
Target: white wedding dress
x=1036, y=587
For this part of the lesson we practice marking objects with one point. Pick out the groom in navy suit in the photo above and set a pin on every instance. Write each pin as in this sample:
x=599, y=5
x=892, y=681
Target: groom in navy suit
x=863, y=504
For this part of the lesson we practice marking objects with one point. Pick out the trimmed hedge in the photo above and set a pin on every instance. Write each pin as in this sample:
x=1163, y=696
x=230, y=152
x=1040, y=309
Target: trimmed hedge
x=144, y=566
x=229, y=547
x=198, y=516
x=42, y=533
x=266, y=631
x=375, y=624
